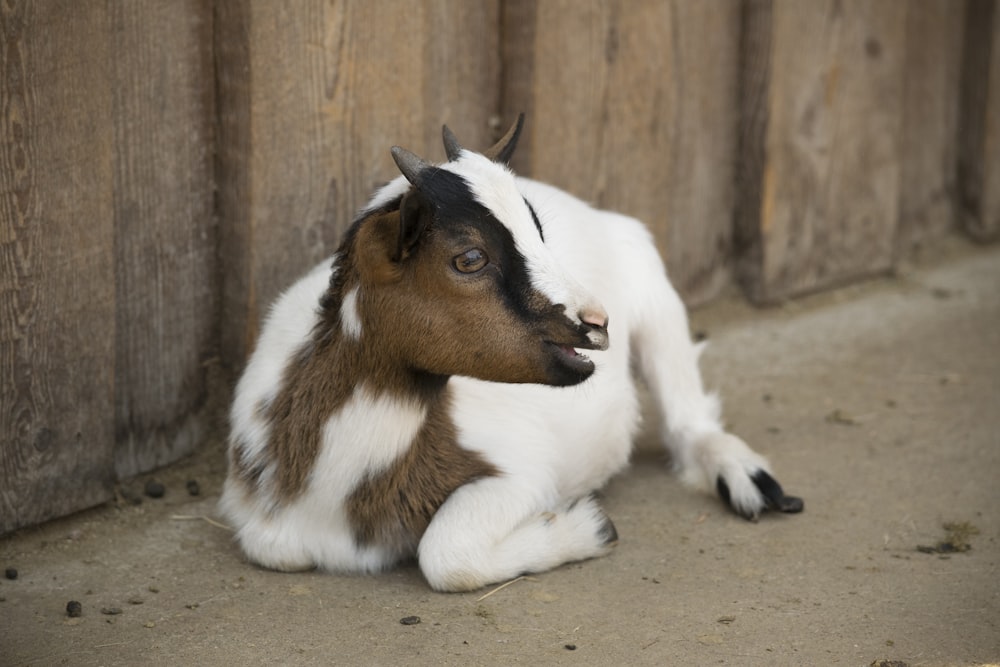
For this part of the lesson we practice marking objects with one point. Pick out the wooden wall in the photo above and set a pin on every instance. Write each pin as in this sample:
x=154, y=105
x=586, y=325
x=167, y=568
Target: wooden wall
x=632, y=105
x=167, y=168
x=979, y=139
x=107, y=246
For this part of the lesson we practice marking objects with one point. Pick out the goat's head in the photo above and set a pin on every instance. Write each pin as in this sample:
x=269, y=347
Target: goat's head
x=455, y=278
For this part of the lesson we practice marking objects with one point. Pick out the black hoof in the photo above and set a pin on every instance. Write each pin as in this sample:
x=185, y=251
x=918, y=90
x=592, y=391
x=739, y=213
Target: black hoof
x=608, y=533
x=774, y=497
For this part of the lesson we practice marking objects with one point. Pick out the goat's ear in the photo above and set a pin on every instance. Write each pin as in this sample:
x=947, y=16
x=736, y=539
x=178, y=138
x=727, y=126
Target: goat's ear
x=503, y=149
x=414, y=214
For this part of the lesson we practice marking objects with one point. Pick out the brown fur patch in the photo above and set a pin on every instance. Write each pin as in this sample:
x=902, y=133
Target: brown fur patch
x=395, y=507
x=315, y=386
x=247, y=470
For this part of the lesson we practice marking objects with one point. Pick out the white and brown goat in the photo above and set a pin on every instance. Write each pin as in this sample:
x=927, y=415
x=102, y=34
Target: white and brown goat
x=422, y=392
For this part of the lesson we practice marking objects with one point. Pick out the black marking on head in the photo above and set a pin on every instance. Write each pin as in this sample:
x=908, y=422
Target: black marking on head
x=456, y=207
x=534, y=218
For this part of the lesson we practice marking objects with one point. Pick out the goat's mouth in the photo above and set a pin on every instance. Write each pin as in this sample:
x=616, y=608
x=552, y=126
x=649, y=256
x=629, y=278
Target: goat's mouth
x=568, y=356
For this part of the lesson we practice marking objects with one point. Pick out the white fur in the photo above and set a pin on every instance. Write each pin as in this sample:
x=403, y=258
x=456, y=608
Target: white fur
x=349, y=317
x=364, y=437
x=553, y=446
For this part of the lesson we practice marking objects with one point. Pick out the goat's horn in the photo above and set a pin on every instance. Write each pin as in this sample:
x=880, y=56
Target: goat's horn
x=409, y=164
x=503, y=149
x=451, y=146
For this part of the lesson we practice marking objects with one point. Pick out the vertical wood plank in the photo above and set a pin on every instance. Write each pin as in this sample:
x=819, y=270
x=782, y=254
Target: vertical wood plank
x=632, y=106
x=825, y=207
x=979, y=135
x=56, y=261
x=164, y=233
x=927, y=193
x=312, y=96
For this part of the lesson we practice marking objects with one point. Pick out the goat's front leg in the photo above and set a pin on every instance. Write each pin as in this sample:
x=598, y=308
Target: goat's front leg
x=705, y=454
x=494, y=530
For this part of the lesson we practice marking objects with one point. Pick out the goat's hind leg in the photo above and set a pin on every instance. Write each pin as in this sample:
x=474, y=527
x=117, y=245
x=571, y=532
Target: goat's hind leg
x=491, y=531
x=705, y=454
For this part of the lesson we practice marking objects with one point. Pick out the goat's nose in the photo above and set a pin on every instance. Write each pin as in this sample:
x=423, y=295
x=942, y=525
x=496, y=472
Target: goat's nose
x=597, y=321
x=595, y=317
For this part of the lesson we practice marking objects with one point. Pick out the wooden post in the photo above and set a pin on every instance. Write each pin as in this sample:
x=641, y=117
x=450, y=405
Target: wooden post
x=310, y=101
x=632, y=105
x=819, y=170
x=927, y=193
x=979, y=130
x=57, y=296
x=162, y=112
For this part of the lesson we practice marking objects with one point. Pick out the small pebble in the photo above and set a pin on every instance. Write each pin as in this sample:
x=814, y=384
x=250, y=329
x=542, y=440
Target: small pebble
x=570, y=647
x=74, y=609
x=111, y=611
x=10, y=573
x=192, y=487
x=154, y=489
x=409, y=620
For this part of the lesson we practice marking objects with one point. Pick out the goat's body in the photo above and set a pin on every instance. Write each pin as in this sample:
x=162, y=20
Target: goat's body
x=541, y=450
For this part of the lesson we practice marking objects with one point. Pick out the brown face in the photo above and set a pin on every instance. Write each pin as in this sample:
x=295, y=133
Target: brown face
x=456, y=299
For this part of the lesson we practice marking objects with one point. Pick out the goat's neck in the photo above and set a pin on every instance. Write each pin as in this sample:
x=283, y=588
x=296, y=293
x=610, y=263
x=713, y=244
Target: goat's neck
x=366, y=360
x=324, y=375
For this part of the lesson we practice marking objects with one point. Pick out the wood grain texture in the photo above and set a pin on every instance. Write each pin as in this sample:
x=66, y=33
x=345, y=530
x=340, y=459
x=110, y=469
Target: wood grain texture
x=632, y=106
x=163, y=95
x=928, y=156
x=979, y=135
x=824, y=209
x=310, y=101
x=56, y=261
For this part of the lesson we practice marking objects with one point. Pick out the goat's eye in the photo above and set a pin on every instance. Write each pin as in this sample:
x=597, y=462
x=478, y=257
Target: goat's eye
x=471, y=260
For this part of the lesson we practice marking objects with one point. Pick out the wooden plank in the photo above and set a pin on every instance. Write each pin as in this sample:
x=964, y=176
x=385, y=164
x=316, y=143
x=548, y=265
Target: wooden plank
x=824, y=208
x=56, y=261
x=312, y=96
x=979, y=141
x=164, y=237
x=632, y=105
x=932, y=68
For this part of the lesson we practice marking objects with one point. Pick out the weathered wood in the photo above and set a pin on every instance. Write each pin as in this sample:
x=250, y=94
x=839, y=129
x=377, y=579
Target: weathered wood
x=930, y=121
x=309, y=103
x=632, y=106
x=165, y=297
x=57, y=295
x=979, y=135
x=824, y=209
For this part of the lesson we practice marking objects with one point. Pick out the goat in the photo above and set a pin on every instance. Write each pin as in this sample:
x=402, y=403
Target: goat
x=423, y=393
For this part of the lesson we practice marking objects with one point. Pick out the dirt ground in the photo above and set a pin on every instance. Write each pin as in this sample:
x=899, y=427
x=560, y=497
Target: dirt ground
x=879, y=404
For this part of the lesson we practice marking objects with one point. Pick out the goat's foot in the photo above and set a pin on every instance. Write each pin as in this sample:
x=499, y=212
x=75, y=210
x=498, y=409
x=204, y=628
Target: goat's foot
x=590, y=523
x=739, y=475
x=472, y=542
x=771, y=491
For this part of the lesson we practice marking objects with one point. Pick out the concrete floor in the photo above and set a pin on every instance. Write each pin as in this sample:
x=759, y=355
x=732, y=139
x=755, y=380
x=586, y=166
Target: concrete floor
x=879, y=404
